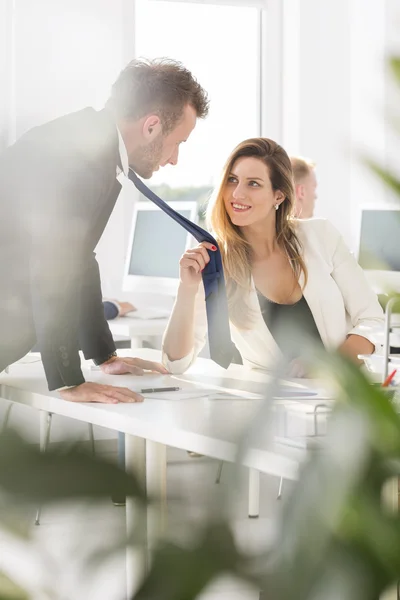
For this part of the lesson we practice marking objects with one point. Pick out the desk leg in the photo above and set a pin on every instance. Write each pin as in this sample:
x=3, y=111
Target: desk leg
x=136, y=341
x=254, y=493
x=44, y=429
x=136, y=558
x=390, y=499
x=156, y=476
x=6, y=417
x=44, y=439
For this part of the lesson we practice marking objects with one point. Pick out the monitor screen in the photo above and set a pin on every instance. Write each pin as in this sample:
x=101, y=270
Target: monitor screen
x=380, y=240
x=158, y=244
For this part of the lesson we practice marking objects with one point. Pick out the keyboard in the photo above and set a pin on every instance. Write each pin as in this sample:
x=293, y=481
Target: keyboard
x=149, y=313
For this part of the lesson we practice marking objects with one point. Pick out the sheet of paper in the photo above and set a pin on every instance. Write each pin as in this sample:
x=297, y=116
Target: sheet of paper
x=191, y=389
x=203, y=393
x=294, y=392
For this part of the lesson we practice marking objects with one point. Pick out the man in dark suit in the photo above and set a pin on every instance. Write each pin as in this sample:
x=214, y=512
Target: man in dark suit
x=58, y=186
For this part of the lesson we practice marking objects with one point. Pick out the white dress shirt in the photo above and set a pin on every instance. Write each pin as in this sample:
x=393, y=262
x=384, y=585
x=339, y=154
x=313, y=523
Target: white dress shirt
x=123, y=156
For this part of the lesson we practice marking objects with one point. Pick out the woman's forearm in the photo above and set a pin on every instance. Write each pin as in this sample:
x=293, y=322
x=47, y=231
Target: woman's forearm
x=178, y=339
x=355, y=345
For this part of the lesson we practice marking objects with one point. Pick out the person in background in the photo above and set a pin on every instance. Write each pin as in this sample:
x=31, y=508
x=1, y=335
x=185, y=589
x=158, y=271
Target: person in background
x=53, y=215
x=115, y=308
x=288, y=280
x=305, y=187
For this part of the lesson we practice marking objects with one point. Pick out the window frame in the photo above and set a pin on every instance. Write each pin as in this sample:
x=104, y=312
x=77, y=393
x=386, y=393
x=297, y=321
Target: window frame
x=270, y=57
x=260, y=4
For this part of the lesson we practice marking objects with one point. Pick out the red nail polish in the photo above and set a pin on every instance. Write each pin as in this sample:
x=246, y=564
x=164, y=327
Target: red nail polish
x=214, y=247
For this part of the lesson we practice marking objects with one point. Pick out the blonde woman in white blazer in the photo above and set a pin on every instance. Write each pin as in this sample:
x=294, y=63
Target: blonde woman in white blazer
x=298, y=273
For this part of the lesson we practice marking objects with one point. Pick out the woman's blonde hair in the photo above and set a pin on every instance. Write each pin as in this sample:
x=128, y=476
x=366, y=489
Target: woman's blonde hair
x=235, y=249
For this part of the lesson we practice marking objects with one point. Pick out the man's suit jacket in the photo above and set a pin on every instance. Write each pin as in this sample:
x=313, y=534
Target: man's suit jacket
x=58, y=188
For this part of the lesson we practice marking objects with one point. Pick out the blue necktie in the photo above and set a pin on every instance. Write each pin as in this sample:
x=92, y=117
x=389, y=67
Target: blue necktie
x=219, y=336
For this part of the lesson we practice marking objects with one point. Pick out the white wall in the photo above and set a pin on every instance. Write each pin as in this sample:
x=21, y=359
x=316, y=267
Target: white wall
x=111, y=249
x=325, y=102
x=335, y=88
x=6, y=71
x=66, y=57
x=368, y=93
x=392, y=90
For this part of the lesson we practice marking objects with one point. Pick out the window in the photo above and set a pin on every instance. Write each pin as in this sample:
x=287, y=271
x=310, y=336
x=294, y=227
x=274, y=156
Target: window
x=220, y=45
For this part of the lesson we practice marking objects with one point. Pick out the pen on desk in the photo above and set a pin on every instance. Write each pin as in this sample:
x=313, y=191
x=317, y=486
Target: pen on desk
x=389, y=378
x=165, y=389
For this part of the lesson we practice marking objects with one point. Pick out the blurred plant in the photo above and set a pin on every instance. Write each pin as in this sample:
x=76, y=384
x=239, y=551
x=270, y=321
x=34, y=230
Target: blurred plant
x=29, y=478
x=10, y=591
x=334, y=537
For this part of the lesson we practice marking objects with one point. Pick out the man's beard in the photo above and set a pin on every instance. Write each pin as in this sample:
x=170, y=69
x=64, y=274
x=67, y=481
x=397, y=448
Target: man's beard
x=146, y=159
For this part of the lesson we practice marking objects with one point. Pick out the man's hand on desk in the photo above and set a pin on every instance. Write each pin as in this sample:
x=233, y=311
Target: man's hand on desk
x=118, y=365
x=96, y=392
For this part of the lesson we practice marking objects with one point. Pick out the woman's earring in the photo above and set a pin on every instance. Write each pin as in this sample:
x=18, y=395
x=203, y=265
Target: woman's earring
x=276, y=206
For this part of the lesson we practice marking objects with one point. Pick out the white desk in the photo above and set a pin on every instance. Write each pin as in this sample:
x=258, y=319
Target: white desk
x=209, y=427
x=137, y=329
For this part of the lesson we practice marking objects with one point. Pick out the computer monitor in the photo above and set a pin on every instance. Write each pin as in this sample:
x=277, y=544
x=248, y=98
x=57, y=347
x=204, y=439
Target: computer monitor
x=156, y=244
x=379, y=248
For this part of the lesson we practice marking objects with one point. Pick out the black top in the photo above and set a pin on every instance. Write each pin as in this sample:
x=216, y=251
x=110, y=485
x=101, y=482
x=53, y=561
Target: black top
x=291, y=325
x=58, y=188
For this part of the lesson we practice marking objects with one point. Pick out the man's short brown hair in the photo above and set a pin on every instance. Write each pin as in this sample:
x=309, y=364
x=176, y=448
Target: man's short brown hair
x=160, y=86
x=301, y=167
